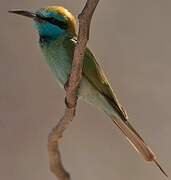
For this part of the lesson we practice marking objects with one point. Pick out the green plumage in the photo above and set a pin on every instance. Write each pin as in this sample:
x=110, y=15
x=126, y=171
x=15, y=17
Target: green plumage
x=94, y=86
x=56, y=28
x=59, y=55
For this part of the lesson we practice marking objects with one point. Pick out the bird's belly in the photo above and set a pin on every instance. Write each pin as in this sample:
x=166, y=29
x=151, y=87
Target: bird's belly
x=91, y=95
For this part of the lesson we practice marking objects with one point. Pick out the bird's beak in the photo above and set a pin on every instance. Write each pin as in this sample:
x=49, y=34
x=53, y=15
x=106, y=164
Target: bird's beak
x=24, y=13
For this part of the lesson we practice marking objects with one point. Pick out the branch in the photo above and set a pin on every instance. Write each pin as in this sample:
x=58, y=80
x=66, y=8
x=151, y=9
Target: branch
x=55, y=161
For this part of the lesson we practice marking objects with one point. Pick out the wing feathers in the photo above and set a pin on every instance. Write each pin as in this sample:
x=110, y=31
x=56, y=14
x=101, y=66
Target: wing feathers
x=95, y=75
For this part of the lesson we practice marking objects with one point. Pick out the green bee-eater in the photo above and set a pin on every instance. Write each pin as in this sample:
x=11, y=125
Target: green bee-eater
x=57, y=30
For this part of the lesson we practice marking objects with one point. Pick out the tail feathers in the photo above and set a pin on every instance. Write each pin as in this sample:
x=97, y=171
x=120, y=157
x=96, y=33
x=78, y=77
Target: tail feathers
x=137, y=142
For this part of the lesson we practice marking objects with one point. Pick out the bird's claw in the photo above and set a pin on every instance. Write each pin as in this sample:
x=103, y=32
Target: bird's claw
x=67, y=83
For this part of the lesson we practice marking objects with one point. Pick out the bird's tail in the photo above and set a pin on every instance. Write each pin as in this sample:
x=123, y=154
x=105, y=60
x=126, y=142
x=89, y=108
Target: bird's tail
x=136, y=141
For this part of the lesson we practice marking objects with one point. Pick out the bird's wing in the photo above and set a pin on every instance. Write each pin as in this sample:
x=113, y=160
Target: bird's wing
x=95, y=75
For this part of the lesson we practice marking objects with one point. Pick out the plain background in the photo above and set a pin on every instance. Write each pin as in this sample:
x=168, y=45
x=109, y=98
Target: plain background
x=132, y=41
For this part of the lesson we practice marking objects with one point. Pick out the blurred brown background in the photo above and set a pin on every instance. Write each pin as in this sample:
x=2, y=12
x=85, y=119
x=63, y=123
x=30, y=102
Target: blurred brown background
x=132, y=40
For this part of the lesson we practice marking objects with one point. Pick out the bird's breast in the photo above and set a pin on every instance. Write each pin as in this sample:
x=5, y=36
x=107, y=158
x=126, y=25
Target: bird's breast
x=58, y=60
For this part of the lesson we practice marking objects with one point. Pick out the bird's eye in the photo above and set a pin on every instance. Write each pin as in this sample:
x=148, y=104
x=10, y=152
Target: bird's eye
x=61, y=24
x=54, y=21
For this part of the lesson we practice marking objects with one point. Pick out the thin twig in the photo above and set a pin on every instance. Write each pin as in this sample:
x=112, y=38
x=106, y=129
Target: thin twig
x=55, y=161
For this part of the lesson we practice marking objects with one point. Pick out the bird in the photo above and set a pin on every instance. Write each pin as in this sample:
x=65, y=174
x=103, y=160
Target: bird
x=56, y=27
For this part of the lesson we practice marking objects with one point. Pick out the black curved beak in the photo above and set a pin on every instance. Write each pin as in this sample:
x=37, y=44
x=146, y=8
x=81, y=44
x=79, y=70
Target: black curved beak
x=24, y=13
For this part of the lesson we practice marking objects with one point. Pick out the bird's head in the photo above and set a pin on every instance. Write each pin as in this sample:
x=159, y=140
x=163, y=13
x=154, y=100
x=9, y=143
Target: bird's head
x=52, y=21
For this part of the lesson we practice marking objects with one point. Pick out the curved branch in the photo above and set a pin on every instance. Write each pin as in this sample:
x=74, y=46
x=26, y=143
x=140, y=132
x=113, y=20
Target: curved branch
x=55, y=161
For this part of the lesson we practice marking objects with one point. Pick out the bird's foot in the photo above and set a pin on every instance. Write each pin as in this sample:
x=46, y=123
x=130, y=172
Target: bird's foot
x=67, y=83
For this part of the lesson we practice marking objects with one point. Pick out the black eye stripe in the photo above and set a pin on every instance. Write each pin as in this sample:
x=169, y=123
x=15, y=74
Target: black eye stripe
x=61, y=24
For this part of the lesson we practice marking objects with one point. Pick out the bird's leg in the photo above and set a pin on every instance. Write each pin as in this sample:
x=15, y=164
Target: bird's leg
x=67, y=83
